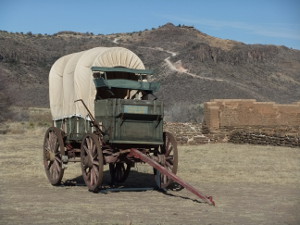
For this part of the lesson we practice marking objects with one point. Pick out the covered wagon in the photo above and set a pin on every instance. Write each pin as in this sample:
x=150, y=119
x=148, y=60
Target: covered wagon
x=105, y=112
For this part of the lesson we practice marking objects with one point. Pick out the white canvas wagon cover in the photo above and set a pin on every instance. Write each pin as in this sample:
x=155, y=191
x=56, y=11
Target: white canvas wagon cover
x=70, y=78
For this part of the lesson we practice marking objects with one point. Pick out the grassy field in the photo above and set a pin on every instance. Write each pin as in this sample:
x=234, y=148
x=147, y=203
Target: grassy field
x=250, y=185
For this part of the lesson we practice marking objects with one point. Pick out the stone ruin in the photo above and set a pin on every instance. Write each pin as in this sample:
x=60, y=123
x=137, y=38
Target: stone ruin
x=187, y=133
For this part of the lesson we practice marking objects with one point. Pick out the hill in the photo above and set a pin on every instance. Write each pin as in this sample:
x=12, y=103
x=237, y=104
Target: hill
x=193, y=67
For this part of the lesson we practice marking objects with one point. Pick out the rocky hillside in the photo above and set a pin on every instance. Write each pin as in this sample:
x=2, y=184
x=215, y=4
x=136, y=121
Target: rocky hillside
x=193, y=67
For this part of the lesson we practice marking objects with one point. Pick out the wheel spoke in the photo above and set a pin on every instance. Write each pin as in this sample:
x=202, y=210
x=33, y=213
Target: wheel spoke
x=169, y=164
x=50, y=139
x=86, y=150
x=47, y=145
x=169, y=150
x=168, y=143
x=58, y=159
x=49, y=165
x=122, y=167
x=170, y=158
x=54, y=171
x=87, y=141
x=95, y=163
x=95, y=156
x=93, y=150
x=56, y=150
x=53, y=141
x=95, y=168
x=165, y=179
x=56, y=166
x=92, y=177
x=88, y=174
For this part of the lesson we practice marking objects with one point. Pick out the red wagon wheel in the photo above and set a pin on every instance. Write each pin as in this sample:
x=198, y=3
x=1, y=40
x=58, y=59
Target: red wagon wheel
x=52, y=157
x=92, y=161
x=119, y=172
x=169, y=154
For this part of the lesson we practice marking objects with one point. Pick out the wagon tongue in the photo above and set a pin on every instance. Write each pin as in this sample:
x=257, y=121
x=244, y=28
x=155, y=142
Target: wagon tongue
x=139, y=155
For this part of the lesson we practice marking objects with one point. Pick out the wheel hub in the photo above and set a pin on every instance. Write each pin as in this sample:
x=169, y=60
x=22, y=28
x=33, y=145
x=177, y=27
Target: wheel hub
x=89, y=161
x=161, y=159
x=51, y=156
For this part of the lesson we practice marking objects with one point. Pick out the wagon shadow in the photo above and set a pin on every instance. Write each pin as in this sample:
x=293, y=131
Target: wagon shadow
x=136, y=182
x=77, y=181
x=182, y=197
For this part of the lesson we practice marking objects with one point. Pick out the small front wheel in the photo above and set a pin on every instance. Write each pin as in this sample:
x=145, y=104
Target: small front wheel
x=92, y=161
x=169, y=153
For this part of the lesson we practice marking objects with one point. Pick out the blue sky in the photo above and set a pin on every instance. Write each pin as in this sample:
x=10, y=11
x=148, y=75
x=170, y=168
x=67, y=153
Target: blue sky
x=249, y=21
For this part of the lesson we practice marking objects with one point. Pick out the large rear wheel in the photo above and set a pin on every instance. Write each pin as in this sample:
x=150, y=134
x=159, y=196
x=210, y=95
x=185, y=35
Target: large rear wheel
x=92, y=161
x=52, y=155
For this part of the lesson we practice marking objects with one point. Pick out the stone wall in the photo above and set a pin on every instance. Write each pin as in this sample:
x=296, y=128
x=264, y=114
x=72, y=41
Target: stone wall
x=241, y=137
x=187, y=133
x=248, y=121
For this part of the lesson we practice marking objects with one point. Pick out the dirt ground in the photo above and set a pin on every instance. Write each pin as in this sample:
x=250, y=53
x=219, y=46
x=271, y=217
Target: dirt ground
x=250, y=185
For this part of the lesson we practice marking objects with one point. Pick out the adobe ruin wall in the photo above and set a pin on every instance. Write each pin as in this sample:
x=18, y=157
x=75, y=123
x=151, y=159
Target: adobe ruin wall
x=248, y=121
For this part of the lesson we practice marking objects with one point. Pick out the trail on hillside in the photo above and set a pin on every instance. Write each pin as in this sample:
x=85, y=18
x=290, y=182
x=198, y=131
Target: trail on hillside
x=116, y=40
x=184, y=71
x=181, y=70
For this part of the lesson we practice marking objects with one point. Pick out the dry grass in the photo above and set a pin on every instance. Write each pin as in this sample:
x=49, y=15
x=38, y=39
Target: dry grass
x=30, y=120
x=261, y=173
x=241, y=163
x=24, y=128
x=210, y=163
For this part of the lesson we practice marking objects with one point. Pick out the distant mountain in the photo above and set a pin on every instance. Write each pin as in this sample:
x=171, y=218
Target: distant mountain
x=193, y=67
